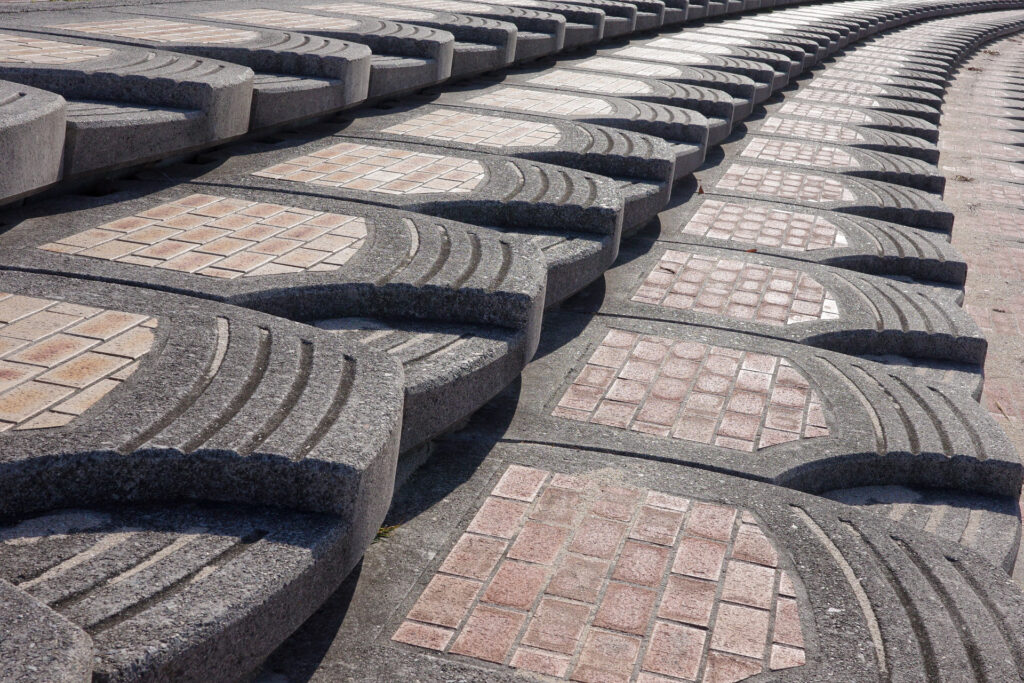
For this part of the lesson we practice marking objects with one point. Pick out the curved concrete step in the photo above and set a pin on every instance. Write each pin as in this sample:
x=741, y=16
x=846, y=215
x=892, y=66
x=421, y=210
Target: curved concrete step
x=183, y=103
x=777, y=297
x=646, y=165
x=845, y=241
x=28, y=117
x=761, y=408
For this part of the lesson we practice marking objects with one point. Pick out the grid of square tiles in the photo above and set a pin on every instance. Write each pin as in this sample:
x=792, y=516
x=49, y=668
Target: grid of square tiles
x=776, y=182
x=278, y=19
x=625, y=66
x=796, y=152
x=695, y=392
x=851, y=86
x=764, y=226
x=222, y=237
x=691, y=45
x=838, y=114
x=380, y=169
x=58, y=359
x=541, y=102
x=716, y=39
x=23, y=50
x=160, y=31
x=477, y=129
x=809, y=130
x=371, y=10
x=454, y=6
x=812, y=94
x=578, y=579
x=856, y=78
x=609, y=85
x=735, y=289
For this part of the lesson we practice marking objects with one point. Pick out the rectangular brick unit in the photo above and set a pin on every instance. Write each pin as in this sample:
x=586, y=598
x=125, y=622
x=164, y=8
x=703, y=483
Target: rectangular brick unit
x=477, y=129
x=23, y=50
x=540, y=102
x=764, y=226
x=380, y=169
x=222, y=237
x=161, y=31
x=58, y=359
x=736, y=289
x=693, y=391
x=576, y=578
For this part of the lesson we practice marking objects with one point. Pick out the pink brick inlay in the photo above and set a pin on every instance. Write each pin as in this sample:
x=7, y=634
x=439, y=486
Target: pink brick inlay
x=277, y=19
x=638, y=586
x=809, y=130
x=58, y=359
x=837, y=114
x=222, y=237
x=160, y=31
x=610, y=85
x=655, y=55
x=764, y=226
x=381, y=169
x=796, y=152
x=23, y=50
x=791, y=185
x=477, y=129
x=541, y=102
x=693, y=391
x=736, y=289
x=812, y=94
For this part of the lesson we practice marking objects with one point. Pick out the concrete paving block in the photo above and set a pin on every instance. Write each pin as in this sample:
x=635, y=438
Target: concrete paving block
x=716, y=106
x=38, y=643
x=481, y=44
x=870, y=198
x=777, y=297
x=32, y=124
x=406, y=57
x=260, y=411
x=314, y=261
x=817, y=236
x=686, y=130
x=539, y=33
x=183, y=591
x=574, y=217
x=128, y=106
x=835, y=593
x=989, y=526
x=643, y=166
x=692, y=395
x=298, y=77
x=849, y=161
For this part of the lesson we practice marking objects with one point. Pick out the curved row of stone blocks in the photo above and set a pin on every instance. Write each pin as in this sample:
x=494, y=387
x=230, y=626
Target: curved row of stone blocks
x=153, y=348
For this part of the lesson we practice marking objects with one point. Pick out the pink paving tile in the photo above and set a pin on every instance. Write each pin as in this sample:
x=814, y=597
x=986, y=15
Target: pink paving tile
x=699, y=557
x=726, y=668
x=740, y=630
x=749, y=584
x=675, y=650
x=520, y=483
x=499, y=517
x=711, y=521
x=541, y=661
x=538, y=543
x=579, y=578
x=606, y=658
x=557, y=625
x=597, y=537
x=657, y=525
x=626, y=608
x=423, y=635
x=641, y=563
x=445, y=600
x=489, y=634
x=688, y=600
x=474, y=556
x=516, y=584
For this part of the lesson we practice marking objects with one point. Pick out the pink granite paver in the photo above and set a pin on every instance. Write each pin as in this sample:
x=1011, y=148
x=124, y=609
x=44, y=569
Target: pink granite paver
x=653, y=610
x=695, y=392
x=541, y=102
x=735, y=289
x=25, y=50
x=476, y=129
x=783, y=184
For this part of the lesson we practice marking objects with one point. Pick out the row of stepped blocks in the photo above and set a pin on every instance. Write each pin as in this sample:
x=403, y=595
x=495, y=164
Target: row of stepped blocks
x=263, y=331
x=90, y=91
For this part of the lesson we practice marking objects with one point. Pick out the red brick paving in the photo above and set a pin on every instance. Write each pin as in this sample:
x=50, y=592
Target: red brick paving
x=695, y=392
x=635, y=585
